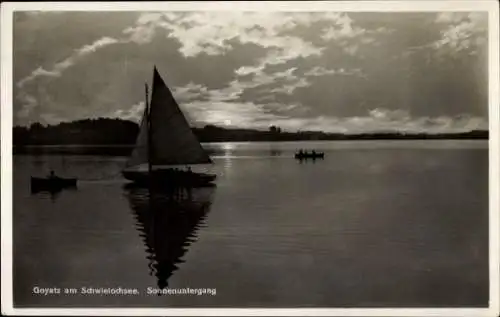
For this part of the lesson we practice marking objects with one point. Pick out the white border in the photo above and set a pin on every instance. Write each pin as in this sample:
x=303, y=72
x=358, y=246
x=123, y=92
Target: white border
x=290, y=6
x=6, y=16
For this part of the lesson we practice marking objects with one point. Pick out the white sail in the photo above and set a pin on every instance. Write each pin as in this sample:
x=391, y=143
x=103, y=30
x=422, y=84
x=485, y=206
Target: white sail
x=172, y=140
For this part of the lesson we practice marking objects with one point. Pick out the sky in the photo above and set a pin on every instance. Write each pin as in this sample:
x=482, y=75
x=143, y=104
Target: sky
x=347, y=72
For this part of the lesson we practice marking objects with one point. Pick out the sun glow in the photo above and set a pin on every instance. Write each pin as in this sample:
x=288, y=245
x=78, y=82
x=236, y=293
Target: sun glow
x=227, y=122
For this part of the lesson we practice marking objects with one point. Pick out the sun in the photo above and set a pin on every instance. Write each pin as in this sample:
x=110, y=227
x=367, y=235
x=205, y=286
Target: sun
x=227, y=122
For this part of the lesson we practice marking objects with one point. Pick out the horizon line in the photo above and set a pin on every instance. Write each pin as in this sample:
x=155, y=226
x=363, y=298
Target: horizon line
x=229, y=128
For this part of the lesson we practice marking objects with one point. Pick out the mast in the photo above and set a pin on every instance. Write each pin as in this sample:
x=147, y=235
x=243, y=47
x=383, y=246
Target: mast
x=148, y=120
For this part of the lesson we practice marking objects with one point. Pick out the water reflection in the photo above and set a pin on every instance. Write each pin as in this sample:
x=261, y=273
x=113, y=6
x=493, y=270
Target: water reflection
x=53, y=193
x=228, y=149
x=275, y=152
x=168, y=225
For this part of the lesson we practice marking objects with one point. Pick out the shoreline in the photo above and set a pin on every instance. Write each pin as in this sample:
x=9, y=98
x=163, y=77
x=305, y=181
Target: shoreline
x=126, y=149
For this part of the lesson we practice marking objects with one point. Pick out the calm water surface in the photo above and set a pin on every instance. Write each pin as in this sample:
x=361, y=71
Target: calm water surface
x=389, y=223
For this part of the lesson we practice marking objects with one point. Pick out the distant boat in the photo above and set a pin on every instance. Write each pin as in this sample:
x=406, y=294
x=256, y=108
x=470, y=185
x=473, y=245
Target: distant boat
x=51, y=184
x=307, y=155
x=166, y=144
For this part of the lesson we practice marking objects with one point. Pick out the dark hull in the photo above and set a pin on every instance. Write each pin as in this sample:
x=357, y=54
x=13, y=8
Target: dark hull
x=169, y=178
x=310, y=156
x=51, y=184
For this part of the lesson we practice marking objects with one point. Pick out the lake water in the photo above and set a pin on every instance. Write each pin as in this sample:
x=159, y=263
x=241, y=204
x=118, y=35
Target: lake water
x=376, y=223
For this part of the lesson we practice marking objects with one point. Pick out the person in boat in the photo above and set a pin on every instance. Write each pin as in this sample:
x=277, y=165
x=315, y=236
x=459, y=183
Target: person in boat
x=189, y=169
x=52, y=175
x=301, y=152
x=313, y=153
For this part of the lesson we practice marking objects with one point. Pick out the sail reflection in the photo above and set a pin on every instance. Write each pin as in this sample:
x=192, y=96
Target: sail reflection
x=168, y=225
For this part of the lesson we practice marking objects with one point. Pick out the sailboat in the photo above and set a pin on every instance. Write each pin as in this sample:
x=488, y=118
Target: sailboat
x=166, y=143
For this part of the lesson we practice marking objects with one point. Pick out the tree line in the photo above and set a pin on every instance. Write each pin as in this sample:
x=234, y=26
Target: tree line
x=104, y=131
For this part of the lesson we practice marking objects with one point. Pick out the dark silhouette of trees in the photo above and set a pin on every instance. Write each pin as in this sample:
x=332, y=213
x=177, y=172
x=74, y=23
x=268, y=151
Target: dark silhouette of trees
x=116, y=136
x=82, y=132
x=274, y=129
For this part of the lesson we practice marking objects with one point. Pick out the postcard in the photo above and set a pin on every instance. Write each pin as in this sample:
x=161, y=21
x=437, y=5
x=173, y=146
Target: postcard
x=250, y=158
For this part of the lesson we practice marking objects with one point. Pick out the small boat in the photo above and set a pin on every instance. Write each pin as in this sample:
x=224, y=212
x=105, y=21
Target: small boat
x=51, y=184
x=166, y=144
x=307, y=155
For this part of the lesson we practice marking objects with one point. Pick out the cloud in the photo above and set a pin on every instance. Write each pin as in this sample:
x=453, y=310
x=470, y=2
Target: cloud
x=198, y=92
x=231, y=92
x=246, y=70
x=243, y=115
x=29, y=103
x=58, y=68
x=286, y=74
x=190, y=91
x=289, y=118
x=237, y=87
x=343, y=29
x=290, y=88
x=384, y=120
x=462, y=31
x=87, y=49
x=39, y=72
x=134, y=113
x=321, y=71
x=210, y=33
x=51, y=118
x=144, y=29
x=391, y=115
x=328, y=69
x=141, y=33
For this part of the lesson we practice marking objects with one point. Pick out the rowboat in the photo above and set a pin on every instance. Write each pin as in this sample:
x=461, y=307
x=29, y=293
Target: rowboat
x=52, y=184
x=306, y=155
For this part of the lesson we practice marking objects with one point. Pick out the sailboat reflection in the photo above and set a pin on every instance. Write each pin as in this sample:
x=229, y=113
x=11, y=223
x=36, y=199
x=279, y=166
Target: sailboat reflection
x=168, y=224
